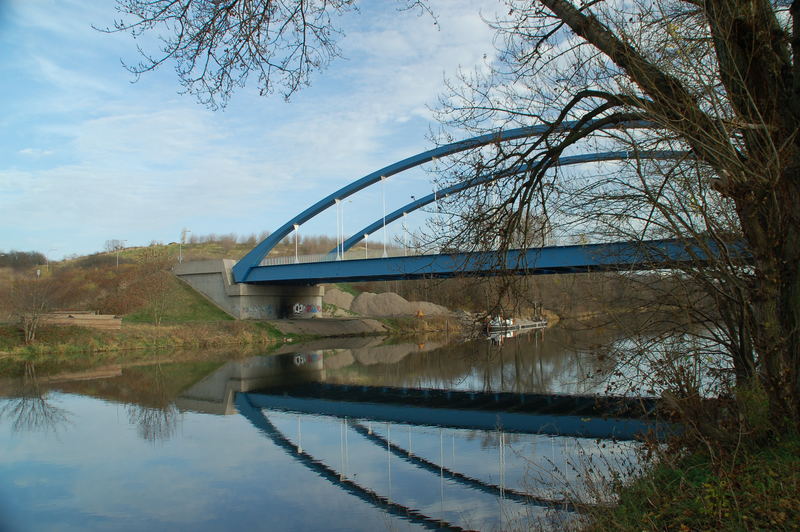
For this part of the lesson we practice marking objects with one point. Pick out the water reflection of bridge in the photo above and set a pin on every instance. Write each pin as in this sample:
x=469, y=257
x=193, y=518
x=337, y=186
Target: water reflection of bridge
x=258, y=406
x=260, y=420
x=296, y=382
x=582, y=416
x=262, y=423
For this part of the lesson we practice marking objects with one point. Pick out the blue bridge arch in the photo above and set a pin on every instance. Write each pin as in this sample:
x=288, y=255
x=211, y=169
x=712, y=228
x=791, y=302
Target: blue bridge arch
x=362, y=233
x=243, y=268
x=614, y=256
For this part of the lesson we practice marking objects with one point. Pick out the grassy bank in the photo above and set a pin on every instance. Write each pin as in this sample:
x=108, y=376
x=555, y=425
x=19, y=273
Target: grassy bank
x=183, y=305
x=186, y=320
x=752, y=487
x=66, y=342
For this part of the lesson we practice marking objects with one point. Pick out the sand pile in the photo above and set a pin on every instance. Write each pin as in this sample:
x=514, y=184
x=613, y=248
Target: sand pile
x=380, y=305
x=334, y=296
x=391, y=304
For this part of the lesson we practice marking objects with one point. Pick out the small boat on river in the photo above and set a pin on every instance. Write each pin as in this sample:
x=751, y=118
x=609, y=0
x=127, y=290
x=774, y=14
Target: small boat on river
x=499, y=324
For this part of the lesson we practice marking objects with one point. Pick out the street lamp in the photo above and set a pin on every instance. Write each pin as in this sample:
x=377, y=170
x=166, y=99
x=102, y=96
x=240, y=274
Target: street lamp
x=366, y=246
x=119, y=247
x=180, y=245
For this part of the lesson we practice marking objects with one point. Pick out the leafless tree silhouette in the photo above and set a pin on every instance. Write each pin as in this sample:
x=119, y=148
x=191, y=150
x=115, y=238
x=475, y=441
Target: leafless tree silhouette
x=31, y=410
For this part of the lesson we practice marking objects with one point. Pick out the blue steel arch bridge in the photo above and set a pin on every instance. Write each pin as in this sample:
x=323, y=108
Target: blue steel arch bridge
x=256, y=269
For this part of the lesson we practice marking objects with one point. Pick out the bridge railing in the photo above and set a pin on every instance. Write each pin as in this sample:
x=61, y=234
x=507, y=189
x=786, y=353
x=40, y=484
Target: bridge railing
x=354, y=254
x=377, y=253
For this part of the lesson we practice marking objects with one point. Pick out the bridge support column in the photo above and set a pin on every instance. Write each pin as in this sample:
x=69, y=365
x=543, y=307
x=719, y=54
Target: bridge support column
x=213, y=279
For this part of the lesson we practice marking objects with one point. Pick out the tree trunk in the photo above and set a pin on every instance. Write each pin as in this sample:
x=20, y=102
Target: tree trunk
x=29, y=326
x=771, y=227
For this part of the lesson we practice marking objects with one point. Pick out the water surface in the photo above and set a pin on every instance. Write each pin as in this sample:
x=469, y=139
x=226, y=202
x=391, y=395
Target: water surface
x=192, y=446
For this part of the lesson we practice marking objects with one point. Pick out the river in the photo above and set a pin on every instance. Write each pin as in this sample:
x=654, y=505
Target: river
x=339, y=434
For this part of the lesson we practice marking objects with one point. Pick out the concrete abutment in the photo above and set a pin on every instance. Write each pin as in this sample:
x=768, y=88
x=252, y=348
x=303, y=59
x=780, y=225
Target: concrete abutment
x=214, y=279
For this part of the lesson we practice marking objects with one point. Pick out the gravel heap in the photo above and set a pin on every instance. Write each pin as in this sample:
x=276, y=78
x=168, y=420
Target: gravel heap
x=334, y=296
x=391, y=304
x=381, y=305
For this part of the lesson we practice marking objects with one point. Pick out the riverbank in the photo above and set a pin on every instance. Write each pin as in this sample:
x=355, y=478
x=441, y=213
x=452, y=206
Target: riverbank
x=71, y=341
x=753, y=488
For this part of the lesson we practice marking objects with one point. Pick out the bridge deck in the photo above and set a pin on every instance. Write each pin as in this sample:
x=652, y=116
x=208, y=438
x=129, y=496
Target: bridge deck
x=617, y=256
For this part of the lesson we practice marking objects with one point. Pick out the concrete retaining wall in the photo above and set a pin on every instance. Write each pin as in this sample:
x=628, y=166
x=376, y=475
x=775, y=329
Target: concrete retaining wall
x=213, y=279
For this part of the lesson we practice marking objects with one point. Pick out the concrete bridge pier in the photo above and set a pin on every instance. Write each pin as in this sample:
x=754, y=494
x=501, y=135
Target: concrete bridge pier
x=213, y=279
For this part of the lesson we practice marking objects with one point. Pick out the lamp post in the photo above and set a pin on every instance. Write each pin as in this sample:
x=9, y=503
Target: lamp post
x=119, y=247
x=366, y=246
x=180, y=245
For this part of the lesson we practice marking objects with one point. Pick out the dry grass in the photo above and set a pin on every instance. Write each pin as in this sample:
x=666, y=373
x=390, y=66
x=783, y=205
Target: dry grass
x=56, y=343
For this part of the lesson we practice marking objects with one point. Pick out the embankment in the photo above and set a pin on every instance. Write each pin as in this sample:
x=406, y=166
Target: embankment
x=181, y=328
x=61, y=342
x=72, y=341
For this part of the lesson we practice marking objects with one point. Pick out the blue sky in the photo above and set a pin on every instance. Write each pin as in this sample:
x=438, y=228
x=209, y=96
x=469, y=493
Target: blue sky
x=87, y=156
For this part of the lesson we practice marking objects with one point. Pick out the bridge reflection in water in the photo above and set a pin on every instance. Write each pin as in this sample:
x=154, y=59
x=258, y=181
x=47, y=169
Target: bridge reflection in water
x=508, y=455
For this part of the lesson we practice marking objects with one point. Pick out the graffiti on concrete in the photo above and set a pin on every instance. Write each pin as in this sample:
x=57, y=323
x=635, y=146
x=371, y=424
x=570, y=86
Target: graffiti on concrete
x=300, y=309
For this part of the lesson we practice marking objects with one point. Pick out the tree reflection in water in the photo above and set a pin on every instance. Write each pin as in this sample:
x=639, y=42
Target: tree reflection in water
x=32, y=410
x=158, y=421
x=154, y=424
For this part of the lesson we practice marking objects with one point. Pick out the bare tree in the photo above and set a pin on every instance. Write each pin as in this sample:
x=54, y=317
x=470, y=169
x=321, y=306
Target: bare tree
x=217, y=45
x=30, y=299
x=716, y=79
x=114, y=245
x=154, y=283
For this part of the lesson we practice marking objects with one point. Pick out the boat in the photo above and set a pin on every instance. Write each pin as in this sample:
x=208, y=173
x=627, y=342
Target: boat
x=500, y=324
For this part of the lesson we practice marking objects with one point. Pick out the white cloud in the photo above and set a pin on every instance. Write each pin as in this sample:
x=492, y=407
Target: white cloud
x=67, y=77
x=35, y=152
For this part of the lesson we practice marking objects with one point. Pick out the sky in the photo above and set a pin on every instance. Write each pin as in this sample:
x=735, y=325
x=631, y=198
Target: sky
x=87, y=155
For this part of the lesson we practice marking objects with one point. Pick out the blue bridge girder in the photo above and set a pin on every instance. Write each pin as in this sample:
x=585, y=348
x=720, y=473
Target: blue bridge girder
x=412, y=206
x=244, y=268
x=617, y=256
